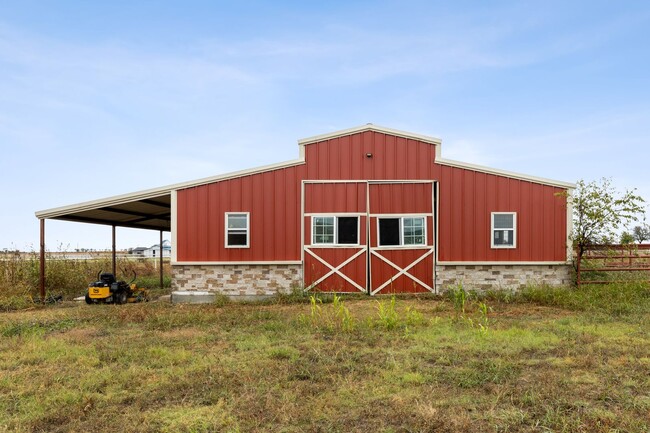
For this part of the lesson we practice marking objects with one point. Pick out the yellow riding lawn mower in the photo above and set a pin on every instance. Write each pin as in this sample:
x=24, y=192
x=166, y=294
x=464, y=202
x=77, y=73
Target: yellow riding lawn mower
x=107, y=290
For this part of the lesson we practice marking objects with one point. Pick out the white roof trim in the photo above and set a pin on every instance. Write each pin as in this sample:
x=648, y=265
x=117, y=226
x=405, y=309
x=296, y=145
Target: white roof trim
x=157, y=192
x=513, y=175
x=369, y=127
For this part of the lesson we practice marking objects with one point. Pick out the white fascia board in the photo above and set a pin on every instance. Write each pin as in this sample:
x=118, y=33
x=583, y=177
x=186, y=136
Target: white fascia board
x=504, y=173
x=478, y=263
x=239, y=263
x=369, y=127
x=160, y=191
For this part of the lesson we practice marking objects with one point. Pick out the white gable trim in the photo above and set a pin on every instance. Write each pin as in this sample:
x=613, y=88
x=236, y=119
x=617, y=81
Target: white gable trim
x=158, y=192
x=504, y=173
x=369, y=127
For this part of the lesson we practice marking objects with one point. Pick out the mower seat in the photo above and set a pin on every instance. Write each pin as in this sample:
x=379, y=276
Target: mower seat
x=107, y=278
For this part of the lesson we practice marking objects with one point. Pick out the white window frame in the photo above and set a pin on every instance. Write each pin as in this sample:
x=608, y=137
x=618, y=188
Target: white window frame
x=336, y=231
x=248, y=229
x=401, y=231
x=514, y=231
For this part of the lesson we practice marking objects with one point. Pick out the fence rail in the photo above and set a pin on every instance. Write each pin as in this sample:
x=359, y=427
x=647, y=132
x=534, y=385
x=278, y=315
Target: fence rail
x=603, y=264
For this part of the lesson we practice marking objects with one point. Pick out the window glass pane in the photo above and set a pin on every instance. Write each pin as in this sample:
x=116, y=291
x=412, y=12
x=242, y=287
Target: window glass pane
x=323, y=228
x=237, y=221
x=504, y=237
x=348, y=230
x=503, y=221
x=236, y=238
x=237, y=233
x=414, y=231
x=388, y=231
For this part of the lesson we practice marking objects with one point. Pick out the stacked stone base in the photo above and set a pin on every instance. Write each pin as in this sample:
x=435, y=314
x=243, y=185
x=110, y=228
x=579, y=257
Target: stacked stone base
x=504, y=277
x=246, y=281
x=237, y=280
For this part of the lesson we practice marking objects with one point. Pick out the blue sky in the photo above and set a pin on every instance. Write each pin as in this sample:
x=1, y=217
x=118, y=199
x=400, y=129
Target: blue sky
x=104, y=98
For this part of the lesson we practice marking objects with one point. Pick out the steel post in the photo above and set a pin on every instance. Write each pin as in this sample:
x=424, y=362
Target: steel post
x=114, y=254
x=161, y=259
x=42, y=260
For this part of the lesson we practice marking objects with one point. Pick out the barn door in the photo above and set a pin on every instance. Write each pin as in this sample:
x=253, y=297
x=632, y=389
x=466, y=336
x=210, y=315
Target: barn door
x=335, y=256
x=401, y=237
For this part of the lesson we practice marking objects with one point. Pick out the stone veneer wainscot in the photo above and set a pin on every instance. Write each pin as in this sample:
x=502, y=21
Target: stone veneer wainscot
x=512, y=277
x=237, y=280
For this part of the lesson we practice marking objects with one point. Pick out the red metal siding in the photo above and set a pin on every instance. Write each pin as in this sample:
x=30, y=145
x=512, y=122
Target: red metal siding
x=335, y=197
x=401, y=198
x=272, y=198
x=466, y=200
x=392, y=158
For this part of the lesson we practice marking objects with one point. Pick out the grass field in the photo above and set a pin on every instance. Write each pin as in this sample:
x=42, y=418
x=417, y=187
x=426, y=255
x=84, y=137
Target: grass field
x=19, y=276
x=545, y=360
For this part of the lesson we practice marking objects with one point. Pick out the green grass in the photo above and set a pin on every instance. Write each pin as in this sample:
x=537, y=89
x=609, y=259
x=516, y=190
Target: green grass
x=548, y=362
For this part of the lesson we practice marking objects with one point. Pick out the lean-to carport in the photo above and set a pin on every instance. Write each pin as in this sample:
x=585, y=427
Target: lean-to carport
x=147, y=210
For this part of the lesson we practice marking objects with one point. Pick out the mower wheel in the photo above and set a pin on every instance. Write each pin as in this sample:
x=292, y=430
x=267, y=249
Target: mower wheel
x=121, y=297
x=88, y=300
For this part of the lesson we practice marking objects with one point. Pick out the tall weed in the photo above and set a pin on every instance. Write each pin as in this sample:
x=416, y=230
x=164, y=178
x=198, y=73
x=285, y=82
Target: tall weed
x=19, y=274
x=387, y=316
x=329, y=317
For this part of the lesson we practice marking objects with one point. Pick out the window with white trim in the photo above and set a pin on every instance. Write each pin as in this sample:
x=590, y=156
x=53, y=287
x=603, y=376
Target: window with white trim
x=403, y=231
x=504, y=229
x=237, y=229
x=335, y=230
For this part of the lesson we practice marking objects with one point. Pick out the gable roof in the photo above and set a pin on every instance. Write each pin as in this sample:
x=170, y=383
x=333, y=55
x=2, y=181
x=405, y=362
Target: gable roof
x=369, y=127
x=151, y=208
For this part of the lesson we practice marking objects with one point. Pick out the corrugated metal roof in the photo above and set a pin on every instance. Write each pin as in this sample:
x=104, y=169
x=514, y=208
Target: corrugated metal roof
x=148, y=209
x=151, y=209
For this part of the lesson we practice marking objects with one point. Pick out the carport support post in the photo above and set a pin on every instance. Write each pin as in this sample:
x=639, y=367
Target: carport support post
x=114, y=255
x=161, y=259
x=41, y=280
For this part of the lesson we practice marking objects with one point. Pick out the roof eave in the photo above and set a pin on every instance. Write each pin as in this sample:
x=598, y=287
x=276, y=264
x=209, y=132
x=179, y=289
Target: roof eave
x=369, y=127
x=505, y=173
x=157, y=192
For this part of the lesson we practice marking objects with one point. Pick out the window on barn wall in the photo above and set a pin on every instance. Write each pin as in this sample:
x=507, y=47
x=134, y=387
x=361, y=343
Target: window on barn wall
x=331, y=230
x=402, y=231
x=237, y=230
x=413, y=231
x=504, y=229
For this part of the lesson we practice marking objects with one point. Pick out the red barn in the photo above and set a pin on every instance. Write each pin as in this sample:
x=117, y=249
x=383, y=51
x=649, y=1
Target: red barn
x=368, y=209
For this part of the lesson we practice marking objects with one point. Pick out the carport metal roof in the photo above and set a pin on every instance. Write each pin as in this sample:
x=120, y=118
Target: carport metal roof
x=150, y=210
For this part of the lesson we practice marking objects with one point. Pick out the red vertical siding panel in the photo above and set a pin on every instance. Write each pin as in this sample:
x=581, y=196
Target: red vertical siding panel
x=192, y=221
x=560, y=221
x=344, y=161
x=181, y=225
x=389, y=157
x=481, y=219
x=358, y=158
x=523, y=223
x=445, y=210
x=268, y=215
x=202, y=221
x=548, y=222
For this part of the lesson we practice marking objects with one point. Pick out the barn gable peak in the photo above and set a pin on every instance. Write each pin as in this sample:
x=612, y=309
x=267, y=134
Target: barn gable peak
x=368, y=127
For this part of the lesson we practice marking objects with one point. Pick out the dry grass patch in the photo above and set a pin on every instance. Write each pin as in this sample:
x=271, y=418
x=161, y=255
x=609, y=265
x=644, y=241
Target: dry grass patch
x=266, y=368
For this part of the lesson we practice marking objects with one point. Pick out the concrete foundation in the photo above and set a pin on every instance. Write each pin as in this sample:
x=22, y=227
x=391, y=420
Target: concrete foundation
x=182, y=297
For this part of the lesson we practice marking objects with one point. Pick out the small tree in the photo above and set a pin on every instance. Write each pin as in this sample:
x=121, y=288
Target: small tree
x=599, y=212
x=627, y=238
x=641, y=233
